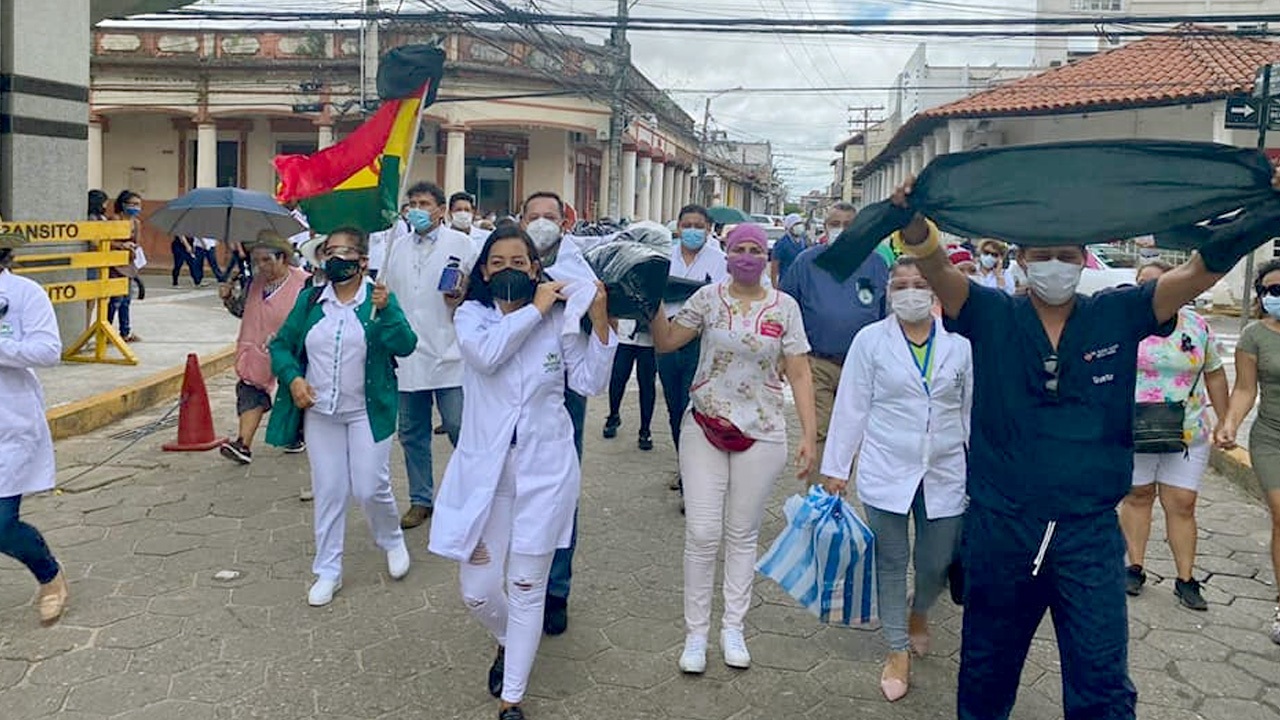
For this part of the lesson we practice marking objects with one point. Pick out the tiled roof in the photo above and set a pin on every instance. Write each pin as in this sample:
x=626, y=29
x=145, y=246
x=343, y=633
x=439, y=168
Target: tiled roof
x=1198, y=66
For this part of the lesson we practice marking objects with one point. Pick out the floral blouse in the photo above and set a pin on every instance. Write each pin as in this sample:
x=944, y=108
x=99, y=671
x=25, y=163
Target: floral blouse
x=1168, y=368
x=739, y=375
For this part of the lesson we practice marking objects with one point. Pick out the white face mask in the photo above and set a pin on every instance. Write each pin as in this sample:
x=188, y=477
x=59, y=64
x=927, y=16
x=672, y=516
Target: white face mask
x=545, y=234
x=1054, y=281
x=463, y=220
x=911, y=305
x=988, y=261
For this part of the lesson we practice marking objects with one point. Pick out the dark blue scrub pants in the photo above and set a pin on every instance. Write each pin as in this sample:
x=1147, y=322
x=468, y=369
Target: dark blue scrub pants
x=562, y=562
x=1081, y=583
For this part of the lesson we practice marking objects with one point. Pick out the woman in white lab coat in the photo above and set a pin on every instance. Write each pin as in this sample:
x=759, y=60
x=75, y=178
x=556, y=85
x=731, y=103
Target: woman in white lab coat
x=28, y=339
x=903, y=411
x=508, y=495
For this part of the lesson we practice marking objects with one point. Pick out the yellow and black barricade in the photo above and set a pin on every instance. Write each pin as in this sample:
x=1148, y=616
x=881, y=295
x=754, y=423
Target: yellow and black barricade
x=92, y=344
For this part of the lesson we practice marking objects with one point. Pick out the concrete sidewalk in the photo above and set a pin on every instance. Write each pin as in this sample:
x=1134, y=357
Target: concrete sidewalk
x=172, y=322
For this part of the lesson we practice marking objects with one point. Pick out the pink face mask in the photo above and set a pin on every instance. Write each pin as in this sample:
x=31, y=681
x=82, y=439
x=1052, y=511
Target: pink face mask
x=746, y=269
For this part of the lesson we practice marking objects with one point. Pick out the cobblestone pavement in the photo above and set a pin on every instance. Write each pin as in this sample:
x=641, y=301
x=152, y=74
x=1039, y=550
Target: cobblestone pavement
x=152, y=634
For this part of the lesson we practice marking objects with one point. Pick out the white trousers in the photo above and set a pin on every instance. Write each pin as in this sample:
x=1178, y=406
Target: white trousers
x=346, y=462
x=724, y=496
x=506, y=591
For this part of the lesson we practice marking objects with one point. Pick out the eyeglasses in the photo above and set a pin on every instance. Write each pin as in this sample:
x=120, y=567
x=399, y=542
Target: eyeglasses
x=341, y=251
x=1268, y=290
x=1051, y=369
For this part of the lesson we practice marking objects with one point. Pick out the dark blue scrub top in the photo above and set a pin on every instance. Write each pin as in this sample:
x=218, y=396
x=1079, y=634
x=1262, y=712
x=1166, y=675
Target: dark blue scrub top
x=1044, y=457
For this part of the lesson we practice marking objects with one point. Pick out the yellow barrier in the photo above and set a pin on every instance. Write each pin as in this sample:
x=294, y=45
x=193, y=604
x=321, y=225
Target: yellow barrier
x=92, y=344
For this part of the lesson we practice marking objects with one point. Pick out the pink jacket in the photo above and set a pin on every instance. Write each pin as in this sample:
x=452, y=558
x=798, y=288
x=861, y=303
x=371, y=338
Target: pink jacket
x=262, y=319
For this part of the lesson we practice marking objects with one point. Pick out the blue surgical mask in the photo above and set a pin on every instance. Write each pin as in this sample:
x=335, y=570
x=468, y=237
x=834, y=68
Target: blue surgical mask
x=133, y=211
x=419, y=219
x=693, y=238
x=1272, y=306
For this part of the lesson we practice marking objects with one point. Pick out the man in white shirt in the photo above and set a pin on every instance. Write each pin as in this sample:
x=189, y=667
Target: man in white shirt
x=695, y=257
x=379, y=241
x=462, y=217
x=416, y=263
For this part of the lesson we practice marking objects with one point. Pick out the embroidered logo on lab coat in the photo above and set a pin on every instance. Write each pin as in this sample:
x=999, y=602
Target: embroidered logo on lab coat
x=866, y=293
x=552, y=363
x=771, y=329
x=6, y=330
x=1101, y=353
x=1102, y=379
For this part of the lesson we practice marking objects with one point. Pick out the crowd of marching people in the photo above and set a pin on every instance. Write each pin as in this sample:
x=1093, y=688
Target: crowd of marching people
x=989, y=419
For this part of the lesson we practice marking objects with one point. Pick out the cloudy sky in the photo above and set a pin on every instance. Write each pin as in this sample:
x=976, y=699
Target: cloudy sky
x=803, y=127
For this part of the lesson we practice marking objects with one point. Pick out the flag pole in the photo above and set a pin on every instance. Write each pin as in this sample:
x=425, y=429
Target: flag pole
x=404, y=175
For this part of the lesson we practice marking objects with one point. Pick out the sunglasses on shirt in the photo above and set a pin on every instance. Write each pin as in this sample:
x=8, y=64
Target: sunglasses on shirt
x=1051, y=368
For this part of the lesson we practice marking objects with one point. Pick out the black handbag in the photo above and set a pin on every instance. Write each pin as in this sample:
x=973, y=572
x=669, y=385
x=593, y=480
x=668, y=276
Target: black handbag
x=1158, y=427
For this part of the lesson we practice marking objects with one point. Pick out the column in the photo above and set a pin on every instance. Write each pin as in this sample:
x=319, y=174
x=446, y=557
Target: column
x=324, y=136
x=455, y=159
x=655, y=191
x=644, y=179
x=930, y=148
x=206, y=155
x=668, y=194
x=602, y=199
x=955, y=130
x=684, y=189
x=95, y=153
x=628, y=201
x=942, y=142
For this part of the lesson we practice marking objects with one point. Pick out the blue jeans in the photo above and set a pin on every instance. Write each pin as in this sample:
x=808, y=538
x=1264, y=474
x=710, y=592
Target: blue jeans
x=119, y=305
x=562, y=563
x=416, y=432
x=676, y=371
x=24, y=543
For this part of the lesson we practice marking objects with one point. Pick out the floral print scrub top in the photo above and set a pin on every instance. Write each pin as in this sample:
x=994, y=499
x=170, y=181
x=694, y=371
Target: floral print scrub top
x=1168, y=367
x=739, y=375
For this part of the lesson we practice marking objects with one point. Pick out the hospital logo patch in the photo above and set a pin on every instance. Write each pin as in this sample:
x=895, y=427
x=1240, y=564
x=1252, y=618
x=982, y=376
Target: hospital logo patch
x=1101, y=353
x=1103, y=379
x=771, y=329
x=552, y=363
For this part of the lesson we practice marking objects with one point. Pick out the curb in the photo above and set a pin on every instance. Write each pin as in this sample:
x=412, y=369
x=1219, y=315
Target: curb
x=91, y=413
x=1236, y=466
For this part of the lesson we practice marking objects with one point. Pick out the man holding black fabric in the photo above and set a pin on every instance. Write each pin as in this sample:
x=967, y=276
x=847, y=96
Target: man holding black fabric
x=1051, y=456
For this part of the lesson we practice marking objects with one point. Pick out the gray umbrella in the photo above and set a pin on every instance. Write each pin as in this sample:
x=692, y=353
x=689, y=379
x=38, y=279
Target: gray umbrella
x=224, y=214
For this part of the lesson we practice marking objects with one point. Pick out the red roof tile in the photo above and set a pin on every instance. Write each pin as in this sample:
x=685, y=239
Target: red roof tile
x=1160, y=70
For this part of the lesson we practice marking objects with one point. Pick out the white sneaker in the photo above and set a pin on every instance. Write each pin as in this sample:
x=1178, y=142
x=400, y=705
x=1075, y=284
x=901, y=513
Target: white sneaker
x=734, y=647
x=322, y=591
x=398, y=562
x=1275, y=628
x=694, y=658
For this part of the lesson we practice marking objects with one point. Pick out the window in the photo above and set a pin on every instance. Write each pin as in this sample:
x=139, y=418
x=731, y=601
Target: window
x=228, y=164
x=1096, y=5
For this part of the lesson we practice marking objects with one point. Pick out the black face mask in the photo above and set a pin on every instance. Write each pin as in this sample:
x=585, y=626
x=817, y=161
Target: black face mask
x=341, y=269
x=512, y=285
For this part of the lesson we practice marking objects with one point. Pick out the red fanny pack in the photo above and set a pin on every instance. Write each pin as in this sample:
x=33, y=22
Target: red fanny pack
x=722, y=434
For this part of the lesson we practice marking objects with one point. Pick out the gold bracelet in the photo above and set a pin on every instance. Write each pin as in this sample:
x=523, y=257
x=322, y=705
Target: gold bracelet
x=931, y=244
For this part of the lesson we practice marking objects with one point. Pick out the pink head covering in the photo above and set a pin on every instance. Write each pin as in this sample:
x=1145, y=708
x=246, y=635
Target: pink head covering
x=744, y=233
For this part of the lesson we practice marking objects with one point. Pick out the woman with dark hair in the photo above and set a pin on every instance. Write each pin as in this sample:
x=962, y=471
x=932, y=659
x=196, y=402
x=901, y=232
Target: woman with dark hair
x=128, y=206
x=1174, y=369
x=28, y=340
x=334, y=358
x=1258, y=369
x=507, y=499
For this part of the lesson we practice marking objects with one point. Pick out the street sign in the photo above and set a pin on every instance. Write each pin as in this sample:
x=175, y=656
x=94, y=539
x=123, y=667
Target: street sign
x=70, y=231
x=1258, y=83
x=1273, y=113
x=1242, y=112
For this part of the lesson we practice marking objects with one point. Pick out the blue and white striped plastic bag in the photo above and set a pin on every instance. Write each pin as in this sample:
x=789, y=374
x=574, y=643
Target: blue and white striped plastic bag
x=825, y=559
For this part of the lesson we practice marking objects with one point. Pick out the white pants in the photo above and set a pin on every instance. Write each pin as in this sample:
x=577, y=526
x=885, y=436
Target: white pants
x=506, y=591
x=1180, y=470
x=724, y=494
x=346, y=462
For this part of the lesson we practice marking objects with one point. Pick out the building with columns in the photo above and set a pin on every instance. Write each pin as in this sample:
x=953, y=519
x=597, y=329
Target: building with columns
x=1171, y=87
x=174, y=109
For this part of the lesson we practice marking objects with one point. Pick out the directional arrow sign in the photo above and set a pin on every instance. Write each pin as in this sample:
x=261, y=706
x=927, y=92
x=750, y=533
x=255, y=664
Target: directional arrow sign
x=1242, y=112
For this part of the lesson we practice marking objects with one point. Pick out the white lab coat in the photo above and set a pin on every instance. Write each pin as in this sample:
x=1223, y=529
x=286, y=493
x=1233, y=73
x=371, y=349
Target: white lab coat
x=901, y=435
x=514, y=380
x=28, y=339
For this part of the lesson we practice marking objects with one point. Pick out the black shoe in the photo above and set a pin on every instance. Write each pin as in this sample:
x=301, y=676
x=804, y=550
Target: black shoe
x=1188, y=593
x=611, y=426
x=495, y=672
x=440, y=430
x=555, y=617
x=512, y=713
x=296, y=447
x=1135, y=578
x=646, y=441
x=236, y=451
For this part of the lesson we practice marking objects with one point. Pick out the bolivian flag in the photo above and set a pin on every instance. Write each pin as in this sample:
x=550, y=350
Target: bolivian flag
x=357, y=181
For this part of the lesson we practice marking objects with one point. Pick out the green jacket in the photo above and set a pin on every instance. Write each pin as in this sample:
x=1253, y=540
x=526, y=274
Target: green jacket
x=388, y=336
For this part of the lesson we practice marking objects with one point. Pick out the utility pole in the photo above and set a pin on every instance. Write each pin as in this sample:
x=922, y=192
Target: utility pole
x=865, y=124
x=1264, y=117
x=618, y=120
x=703, y=193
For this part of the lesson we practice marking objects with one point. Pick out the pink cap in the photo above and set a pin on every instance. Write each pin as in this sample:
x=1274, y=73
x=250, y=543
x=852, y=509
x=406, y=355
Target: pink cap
x=959, y=255
x=746, y=232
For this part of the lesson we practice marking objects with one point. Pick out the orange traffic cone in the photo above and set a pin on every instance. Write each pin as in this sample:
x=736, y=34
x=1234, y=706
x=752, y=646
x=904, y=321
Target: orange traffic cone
x=195, y=419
